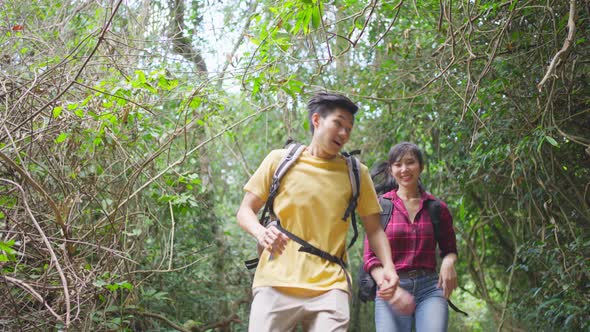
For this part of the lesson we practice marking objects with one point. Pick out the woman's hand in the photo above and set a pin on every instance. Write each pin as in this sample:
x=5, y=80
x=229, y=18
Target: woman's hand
x=447, y=278
x=403, y=302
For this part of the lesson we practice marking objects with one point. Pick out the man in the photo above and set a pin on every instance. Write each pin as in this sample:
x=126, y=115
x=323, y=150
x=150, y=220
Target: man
x=290, y=286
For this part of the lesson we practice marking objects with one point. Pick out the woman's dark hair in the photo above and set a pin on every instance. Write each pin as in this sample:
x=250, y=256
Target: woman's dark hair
x=381, y=172
x=326, y=103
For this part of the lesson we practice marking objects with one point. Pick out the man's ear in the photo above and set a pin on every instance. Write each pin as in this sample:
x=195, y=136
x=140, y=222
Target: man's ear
x=315, y=120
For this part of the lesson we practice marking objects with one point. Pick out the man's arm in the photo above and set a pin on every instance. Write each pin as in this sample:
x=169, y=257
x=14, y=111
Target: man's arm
x=269, y=238
x=385, y=276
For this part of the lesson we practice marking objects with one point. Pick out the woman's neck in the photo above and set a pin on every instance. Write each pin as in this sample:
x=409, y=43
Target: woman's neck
x=408, y=193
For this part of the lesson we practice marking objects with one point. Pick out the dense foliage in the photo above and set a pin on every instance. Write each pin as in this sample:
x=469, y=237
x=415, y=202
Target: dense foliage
x=128, y=129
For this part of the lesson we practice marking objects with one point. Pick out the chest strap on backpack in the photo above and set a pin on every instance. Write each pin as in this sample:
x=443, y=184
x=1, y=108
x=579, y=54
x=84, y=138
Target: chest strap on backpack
x=310, y=249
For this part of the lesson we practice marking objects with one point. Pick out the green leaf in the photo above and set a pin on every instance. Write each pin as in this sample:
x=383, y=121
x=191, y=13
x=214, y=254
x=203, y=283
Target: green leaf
x=256, y=86
x=126, y=285
x=140, y=77
x=79, y=113
x=62, y=137
x=195, y=102
x=112, y=287
x=6, y=247
x=552, y=141
x=57, y=111
x=315, y=17
x=167, y=84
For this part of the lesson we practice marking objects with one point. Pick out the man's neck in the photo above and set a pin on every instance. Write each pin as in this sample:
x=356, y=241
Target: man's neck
x=316, y=151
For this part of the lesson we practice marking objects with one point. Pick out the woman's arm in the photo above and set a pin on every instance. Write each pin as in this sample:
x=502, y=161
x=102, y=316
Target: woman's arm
x=447, y=279
x=378, y=245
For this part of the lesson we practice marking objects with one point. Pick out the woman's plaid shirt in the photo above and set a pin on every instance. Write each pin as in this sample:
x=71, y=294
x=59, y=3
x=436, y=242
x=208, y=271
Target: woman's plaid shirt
x=413, y=244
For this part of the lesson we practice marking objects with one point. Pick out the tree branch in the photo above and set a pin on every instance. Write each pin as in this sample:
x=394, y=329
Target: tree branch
x=181, y=44
x=564, y=49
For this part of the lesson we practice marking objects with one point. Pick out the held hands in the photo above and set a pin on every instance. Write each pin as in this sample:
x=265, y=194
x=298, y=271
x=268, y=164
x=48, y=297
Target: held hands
x=401, y=300
x=388, y=283
x=272, y=240
x=447, y=278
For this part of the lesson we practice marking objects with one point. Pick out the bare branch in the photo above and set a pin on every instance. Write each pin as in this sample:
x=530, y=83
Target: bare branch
x=564, y=49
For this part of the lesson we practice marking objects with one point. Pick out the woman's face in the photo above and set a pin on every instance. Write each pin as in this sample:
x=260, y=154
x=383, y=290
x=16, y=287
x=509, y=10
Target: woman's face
x=406, y=171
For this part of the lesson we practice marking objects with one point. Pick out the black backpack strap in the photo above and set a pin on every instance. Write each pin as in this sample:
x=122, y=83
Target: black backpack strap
x=367, y=286
x=454, y=307
x=252, y=263
x=387, y=209
x=434, y=207
x=354, y=167
x=293, y=152
x=310, y=249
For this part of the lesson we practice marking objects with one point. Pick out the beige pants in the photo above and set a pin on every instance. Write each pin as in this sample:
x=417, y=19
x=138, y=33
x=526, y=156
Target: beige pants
x=273, y=311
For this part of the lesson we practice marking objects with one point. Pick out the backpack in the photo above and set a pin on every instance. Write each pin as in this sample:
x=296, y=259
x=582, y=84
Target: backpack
x=294, y=150
x=367, y=286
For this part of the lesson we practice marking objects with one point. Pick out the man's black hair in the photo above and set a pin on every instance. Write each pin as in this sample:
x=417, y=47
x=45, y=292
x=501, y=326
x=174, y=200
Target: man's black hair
x=325, y=103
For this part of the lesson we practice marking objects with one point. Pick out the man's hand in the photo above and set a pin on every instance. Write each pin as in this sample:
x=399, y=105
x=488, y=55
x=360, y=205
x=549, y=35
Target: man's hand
x=447, y=278
x=388, y=283
x=272, y=240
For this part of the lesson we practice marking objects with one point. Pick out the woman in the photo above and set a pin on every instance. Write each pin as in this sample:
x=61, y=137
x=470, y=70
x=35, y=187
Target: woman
x=422, y=296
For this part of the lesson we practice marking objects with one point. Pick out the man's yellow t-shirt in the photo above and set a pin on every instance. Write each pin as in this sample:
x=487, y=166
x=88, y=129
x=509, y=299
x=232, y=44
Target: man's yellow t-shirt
x=312, y=198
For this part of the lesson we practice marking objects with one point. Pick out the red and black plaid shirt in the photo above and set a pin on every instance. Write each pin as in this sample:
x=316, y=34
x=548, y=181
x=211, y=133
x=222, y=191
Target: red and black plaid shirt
x=413, y=244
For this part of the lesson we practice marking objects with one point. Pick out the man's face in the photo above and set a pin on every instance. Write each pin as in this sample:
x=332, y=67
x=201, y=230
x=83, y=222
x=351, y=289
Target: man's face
x=333, y=131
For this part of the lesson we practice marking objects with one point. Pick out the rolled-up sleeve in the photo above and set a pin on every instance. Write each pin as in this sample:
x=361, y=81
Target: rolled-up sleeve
x=448, y=241
x=370, y=260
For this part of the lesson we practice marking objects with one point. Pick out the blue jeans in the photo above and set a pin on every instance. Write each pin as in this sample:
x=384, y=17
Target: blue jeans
x=432, y=310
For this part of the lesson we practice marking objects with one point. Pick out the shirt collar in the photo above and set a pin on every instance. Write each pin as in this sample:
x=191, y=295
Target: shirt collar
x=392, y=195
